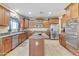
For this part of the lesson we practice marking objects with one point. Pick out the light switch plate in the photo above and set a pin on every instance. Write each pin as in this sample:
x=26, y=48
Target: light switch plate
x=36, y=43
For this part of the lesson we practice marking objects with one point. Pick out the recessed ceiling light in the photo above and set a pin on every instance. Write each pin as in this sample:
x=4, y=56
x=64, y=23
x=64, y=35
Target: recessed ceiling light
x=49, y=12
x=17, y=10
x=29, y=13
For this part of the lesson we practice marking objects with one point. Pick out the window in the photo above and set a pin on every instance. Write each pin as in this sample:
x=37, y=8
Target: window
x=14, y=25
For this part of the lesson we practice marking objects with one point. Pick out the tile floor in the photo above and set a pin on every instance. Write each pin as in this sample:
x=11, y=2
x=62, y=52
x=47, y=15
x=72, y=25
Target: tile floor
x=52, y=48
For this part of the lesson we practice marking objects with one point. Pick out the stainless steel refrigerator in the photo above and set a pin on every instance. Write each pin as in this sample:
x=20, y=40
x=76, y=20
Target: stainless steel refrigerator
x=54, y=31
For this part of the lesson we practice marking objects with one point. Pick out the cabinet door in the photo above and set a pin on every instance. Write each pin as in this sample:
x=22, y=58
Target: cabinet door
x=6, y=17
x=21, y=23
x=36, y=47
x=14, y=41
x=75, y=10
x=7, y=44
x=1, y=15
x=46, y=24
x=26, y=23
x=20, y=38
x=53, y=21
x=62, y=40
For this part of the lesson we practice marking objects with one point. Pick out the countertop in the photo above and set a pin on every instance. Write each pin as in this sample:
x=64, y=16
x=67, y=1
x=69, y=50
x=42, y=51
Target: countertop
x=37, y=29
x=39, y=36
x=26, y=30
x=11, y=34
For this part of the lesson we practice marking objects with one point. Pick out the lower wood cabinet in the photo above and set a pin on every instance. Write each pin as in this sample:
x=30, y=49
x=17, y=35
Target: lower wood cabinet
x=6, y=45
x=14, y=41
x=22, y=37
x=30, y=33
x=62, y=40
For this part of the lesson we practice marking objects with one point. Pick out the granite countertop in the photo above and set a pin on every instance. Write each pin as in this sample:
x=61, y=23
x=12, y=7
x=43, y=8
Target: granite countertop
x=39, y=36
x=10, y=34
x=38, y=29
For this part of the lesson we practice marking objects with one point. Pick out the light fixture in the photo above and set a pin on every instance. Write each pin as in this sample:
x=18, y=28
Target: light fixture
x=29, y=13
x=49, y=13
x=17, y=10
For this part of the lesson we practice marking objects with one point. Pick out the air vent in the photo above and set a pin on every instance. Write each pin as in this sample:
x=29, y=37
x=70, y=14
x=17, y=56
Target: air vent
x=41, y=12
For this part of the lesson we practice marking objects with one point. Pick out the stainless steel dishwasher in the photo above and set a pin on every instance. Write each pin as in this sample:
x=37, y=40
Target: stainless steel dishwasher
x=14, y=41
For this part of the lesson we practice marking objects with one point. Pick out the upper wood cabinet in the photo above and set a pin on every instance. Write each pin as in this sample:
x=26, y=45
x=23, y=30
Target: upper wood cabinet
x=4, y=16
x=46, y=23
x=64, y=19
x=1, y=15
x=32, y=23
x=21, y=23
x=26, y=23
x=53, y=20
x=72, y=10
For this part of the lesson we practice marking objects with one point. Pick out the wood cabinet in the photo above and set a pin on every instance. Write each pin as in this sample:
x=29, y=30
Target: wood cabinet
x=6, y=45
x=46, y=23
x=4, y=16
x=53, y=20
x=36, y=47
x=72, y=10
x=21, y=23
x=65, y=19
x=22, y=37
x=26, y=23
x=62, y=40
x=32, y=23
x=1, y=15
x=30, y=33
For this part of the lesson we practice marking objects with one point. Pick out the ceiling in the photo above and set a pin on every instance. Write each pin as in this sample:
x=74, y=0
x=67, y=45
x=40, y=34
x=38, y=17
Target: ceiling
x=38, y=9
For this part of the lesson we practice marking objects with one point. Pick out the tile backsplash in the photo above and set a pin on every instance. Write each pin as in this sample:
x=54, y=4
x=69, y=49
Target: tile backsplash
x=3, y=29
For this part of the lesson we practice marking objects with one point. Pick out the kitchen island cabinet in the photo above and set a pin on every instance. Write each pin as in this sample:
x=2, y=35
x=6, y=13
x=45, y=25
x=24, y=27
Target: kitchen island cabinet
x=36, y=45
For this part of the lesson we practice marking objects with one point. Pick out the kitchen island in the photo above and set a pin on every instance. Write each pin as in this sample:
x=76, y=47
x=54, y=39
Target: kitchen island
x=36, y=44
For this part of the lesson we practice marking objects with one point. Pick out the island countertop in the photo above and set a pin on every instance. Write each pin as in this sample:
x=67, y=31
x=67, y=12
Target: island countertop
x=39, y=36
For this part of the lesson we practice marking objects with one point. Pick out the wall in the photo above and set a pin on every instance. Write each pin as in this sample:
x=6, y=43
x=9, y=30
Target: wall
x=3, y=29
x=34, y=21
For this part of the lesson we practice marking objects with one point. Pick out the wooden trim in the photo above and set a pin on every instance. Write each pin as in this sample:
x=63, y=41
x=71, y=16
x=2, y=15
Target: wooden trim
x=68, y=5
x=72, y=50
